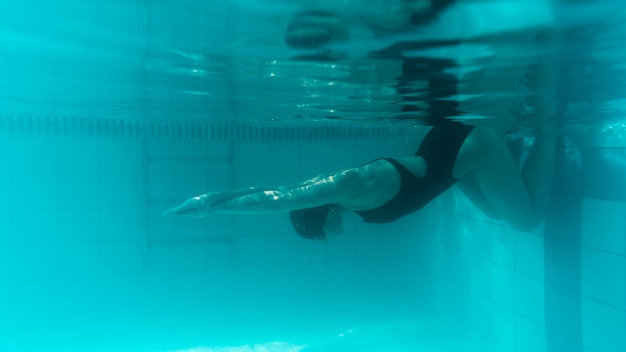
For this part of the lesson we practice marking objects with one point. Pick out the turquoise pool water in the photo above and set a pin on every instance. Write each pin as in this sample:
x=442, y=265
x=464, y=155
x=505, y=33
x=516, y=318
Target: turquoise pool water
x=112, y=111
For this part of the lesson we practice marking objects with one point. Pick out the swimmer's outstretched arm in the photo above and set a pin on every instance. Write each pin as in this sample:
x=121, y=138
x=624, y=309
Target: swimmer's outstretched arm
x=195, y=206
x=253, y=200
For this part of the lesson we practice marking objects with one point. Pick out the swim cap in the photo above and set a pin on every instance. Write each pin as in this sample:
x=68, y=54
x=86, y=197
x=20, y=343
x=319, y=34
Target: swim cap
x=309, y=223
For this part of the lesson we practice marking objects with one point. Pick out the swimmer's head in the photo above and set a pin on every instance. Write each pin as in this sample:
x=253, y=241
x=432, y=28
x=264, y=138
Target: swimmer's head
x=316, y=223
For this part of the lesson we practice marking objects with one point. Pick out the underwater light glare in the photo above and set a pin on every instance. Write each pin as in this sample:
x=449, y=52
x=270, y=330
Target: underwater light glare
x=264, y=347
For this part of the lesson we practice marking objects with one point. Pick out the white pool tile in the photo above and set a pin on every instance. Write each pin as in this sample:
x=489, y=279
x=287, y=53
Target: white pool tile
x=458, y=303
x=6, y=186
x=190, y=290
x=502, y=285
x=368, y=276
x=155, y=289
x=503, y=326
x=603, y=277
x=6, y=152
x=341, y=277
x=343, y=248
x=369, y=247
x=371, y=150
x=604, y=225
x=205, y=166
x=5, y=319
x=120, y=224
x=313, y=159
x=479, y=309
x=283, y=279
x=79, y=225
x=118, y=295
x=254, y=225
x=35, y=228
x=6, y=263
x=158, y=165
x=530, y=297
x=529, y=335
x=119, y=258
x=456, y=266
x=311, y=251
x=503, y=245
x=457, y=232
x=187, y=185
x=35, y=191
x=253, y=280
x=603, y=326
x=529, y=254
x=479, y=273
x=479, y=238
x=343, y=156
x=253, y=251
x=119, y=156
x=35, y=155
x=163, y=149
x=161, y=186
x=77, y=300
x=283, y=157
x=158, y=258
x=79, y=191
x=219, y=181
x=120, y=190
x=313, y=278
x=186, y=149
x=6, y=228
x=79, y=155
x=220, y=253
x=78, y=260
x=254, y=158
x=188, y=256
x=33, y=304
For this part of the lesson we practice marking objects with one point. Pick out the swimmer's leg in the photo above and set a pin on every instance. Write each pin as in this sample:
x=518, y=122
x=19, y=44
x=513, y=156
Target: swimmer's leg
x=472, y=191
x=519, y=197
x=538, y=170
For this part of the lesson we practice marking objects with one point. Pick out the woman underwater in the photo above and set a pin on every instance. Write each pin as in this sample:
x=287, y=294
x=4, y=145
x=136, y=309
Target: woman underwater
x=386, y=189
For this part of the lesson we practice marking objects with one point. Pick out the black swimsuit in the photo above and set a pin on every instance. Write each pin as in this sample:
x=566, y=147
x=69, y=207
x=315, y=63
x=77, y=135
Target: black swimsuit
x=441, y=145
x=439, y=149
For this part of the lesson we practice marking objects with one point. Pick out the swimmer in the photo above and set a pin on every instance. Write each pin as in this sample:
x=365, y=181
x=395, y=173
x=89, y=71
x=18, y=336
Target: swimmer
x=476, y=158
x=384, y=190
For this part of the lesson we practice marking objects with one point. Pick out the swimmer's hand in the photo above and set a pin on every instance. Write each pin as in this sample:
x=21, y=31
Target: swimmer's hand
x=194, y=207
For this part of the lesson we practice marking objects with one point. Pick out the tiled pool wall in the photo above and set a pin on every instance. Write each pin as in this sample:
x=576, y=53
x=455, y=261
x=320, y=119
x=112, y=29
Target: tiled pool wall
x=84, y=252
x=82, y=242
x=561, y=287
